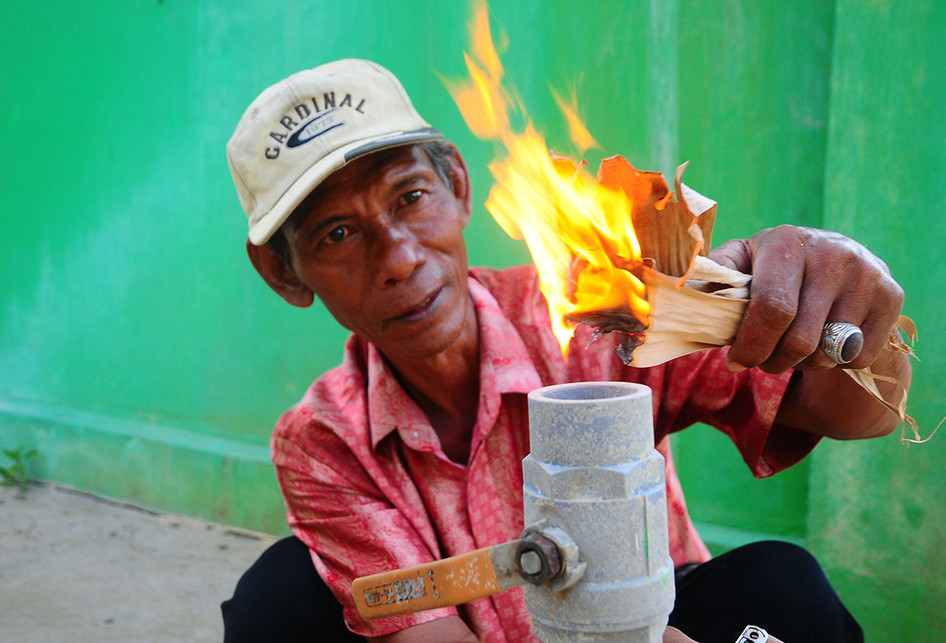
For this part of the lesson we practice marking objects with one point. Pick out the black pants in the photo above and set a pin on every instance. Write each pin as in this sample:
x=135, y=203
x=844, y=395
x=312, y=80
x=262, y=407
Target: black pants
x=775, y=585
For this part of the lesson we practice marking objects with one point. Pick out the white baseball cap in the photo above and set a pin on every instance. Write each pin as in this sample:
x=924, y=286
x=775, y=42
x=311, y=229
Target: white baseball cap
x=300, y=130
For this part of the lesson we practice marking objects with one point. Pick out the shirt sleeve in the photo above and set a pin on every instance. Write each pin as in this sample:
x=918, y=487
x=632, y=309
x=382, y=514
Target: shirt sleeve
x=352, y=527
x=689, y=389
x=699, y=388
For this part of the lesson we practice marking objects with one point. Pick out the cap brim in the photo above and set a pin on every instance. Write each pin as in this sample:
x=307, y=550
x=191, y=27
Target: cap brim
x=262, y=230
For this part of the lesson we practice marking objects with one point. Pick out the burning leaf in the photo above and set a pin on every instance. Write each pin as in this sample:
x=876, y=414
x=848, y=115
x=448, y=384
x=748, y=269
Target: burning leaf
x=661, y=222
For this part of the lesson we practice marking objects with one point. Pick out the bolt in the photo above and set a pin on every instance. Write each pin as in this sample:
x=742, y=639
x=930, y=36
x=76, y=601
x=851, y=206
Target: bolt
x=538, y=559
x=530, y=562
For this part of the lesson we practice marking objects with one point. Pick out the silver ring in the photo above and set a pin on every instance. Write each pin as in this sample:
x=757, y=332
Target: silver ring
x=753, y=634
x=841, y=342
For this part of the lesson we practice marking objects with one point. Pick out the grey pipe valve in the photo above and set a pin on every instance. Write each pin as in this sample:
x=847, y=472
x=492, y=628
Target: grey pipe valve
x=593, y=473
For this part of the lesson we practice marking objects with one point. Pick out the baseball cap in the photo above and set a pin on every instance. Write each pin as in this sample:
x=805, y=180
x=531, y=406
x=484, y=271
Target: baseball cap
x=303, y=128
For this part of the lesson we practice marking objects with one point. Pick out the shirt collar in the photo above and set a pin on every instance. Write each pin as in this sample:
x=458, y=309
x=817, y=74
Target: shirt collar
x=502, y=351
x=505, y=367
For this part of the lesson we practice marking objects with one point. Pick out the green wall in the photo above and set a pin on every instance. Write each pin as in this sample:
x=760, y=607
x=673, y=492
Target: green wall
x=877, y=515
x=145, y=360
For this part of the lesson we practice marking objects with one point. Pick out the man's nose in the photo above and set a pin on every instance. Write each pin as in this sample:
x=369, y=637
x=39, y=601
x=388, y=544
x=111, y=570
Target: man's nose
x=397, y=254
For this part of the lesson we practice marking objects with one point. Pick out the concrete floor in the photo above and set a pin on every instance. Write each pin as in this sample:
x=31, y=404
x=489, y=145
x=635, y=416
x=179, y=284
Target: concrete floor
x=80, y=569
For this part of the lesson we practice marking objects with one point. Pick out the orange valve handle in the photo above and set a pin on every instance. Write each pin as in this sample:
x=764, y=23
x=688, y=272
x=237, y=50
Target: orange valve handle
x=451, y=581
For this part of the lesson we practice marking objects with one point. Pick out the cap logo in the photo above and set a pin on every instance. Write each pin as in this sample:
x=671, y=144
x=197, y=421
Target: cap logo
x=328, y=118
x=316, y=127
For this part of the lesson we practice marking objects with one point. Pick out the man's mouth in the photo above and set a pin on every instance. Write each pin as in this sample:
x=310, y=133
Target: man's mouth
x=420, y=310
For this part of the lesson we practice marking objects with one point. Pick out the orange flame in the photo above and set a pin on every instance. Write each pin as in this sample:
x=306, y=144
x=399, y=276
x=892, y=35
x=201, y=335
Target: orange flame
x=579, y=133
x=575, y=227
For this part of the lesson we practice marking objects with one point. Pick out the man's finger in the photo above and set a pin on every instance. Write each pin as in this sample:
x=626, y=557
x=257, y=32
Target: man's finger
x=773, y=301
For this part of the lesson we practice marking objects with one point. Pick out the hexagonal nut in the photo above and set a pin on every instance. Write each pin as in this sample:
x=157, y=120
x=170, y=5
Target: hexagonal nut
x=624, y=480
x=537, y=559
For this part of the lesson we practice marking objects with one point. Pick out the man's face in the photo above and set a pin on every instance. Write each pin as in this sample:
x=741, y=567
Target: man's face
x=380, y=243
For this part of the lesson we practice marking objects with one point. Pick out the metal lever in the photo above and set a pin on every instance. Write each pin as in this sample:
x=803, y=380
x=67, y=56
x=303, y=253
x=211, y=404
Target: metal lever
x=538, y=557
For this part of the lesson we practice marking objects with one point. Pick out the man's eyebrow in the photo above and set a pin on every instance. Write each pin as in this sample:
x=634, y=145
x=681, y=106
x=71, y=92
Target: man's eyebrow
x=414, y=178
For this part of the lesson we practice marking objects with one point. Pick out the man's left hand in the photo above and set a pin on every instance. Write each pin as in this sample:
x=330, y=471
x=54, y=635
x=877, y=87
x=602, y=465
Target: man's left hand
x=803, y=278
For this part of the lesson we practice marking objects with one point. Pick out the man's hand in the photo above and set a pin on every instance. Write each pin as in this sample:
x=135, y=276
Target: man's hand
x=801, y=279
x=673, y=635
x=450, y=629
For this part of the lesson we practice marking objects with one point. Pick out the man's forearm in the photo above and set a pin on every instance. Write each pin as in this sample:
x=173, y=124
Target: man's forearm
x=832, y=404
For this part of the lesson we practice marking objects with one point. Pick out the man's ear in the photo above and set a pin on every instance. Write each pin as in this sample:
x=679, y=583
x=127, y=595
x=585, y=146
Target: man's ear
x=460, y=179
x=279, y=276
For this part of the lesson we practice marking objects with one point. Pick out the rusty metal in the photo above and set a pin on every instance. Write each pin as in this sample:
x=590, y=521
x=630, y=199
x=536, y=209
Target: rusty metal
x=572, y=566
x=538, y=559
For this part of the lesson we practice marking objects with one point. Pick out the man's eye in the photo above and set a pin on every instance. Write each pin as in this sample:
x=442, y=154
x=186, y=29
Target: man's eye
x=412, y=197
x=335, y=235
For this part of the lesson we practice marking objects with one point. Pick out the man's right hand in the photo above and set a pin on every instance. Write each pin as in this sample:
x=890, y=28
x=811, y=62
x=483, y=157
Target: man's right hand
x=673, y=635
x=450, y=629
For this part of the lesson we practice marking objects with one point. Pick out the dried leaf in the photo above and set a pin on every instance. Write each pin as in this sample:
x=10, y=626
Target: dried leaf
x=685, y=320
x=662, y=221
x=696, y=303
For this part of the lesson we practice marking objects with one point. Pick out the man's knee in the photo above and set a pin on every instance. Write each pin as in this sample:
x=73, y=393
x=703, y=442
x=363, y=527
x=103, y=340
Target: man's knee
x=774, y=584
x=774, y=559
x=282, y=598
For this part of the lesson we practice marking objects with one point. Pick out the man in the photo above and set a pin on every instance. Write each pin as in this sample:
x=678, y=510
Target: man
x=410, y=450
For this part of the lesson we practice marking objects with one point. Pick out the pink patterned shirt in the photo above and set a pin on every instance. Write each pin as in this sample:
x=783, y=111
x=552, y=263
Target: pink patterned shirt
x=369, y=489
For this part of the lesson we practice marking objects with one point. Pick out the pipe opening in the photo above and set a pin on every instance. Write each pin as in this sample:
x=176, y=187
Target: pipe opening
x=589, y=391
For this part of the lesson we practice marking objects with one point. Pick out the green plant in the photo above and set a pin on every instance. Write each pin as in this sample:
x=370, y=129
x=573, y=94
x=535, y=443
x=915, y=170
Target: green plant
x=14, y=475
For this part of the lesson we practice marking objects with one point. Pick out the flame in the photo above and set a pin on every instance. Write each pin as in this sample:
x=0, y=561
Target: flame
x=576, y=128
x=576, y=229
